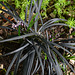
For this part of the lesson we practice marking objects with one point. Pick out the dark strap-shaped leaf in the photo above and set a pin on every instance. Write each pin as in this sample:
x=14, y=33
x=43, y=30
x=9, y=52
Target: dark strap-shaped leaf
x=17, y=50
x=42, y=66
x=18, y=37
x=55, y=50
x=5, y=6
x=38, y=12
x=28, y=64
x=59, y=71
x=6, y=19
x=49, y=22
x=11, y=64
x=8, y=28
x=12, y=9
x=18, y=58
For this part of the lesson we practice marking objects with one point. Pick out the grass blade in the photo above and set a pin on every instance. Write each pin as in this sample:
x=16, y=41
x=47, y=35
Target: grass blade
x=12, y=9
x=62, y=48
x=26, y=55
x=59, y=71
x=57, y=52
x=12, y=62
x=62, y=58
x=35, y=67
x=18, y=37
x=42, y=66
x=50, y=22
x=38, y=12
x=27, y=65
x=6, y=19
x=17, y=50
x=30, y=15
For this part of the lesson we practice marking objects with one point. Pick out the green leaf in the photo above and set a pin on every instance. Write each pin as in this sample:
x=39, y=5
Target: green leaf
x=45, y=56
x=22, y=14
x=17, y=3
x=19, y=30
x=50, y=39
x=12, y=73
x=71, y=57
x=32, y=22
x=73, y=33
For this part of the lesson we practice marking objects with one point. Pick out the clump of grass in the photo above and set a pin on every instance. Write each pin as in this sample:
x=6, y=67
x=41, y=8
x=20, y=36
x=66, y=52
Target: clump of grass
x=34, y=42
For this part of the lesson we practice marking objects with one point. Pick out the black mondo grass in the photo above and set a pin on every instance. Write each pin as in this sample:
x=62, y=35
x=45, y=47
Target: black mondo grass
x=35, y=46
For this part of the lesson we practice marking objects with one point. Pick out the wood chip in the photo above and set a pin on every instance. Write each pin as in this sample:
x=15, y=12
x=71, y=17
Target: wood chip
x=0, y=53
x=1, y=66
